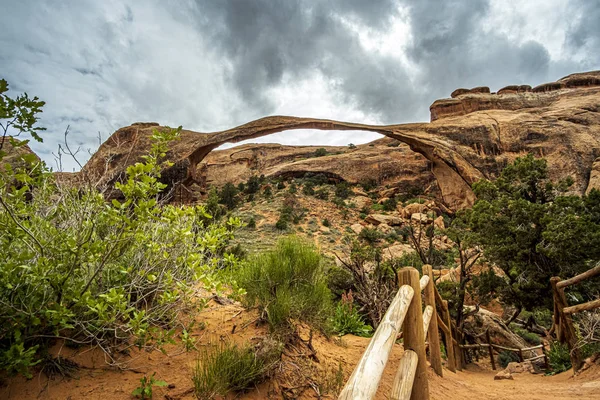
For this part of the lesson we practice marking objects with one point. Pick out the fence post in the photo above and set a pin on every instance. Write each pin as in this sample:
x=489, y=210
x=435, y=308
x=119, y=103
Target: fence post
x=453, y=361
x=566, y=325
x=489, y=342
x=413, y=334
x=435, y=354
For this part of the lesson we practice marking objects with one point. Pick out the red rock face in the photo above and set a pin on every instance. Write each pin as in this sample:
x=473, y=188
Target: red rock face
x=472, y=136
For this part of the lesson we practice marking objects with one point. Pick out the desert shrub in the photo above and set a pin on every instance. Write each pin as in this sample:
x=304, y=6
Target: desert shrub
x=320, y=152
x=308, y=189
x=253, y=185
x=342, y=190
x=280, y=185
x=326, y=223
x=213, y=208
x=322, y=193
x=363, y=215
x=230, y=368
x=527, y=336
x=377, y=207
x=346, y=319
x=282, y=222
x=252, y=223
x=288, y=284
x=559, y=357
x=368, y=184
x=111, y=274
x=268, y=191
x=293, y=189
x=505, y=357
x=370, y=235
x=351, y=146
x=228, y=196
x=291, y=209
x=241, y=187
x=339, y=280
x=390, y=204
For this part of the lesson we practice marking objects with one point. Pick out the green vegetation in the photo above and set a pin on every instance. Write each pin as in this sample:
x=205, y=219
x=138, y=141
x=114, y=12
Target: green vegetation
x=320, y=152
x=107, y=274
x=342, y=190
x=228, y=196
x=346, y=319
x=326, y=223
x=529, y=228
x=287, y=284
x=144, y=391
x=505, y=357
x=231, y=368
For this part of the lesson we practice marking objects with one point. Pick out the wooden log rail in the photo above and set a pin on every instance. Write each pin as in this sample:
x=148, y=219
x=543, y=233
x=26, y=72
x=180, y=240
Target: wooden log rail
x=405, y=313
x=563, y=322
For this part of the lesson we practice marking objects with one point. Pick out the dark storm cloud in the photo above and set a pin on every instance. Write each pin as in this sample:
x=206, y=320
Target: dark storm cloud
x=584, y=31
x=268, y=41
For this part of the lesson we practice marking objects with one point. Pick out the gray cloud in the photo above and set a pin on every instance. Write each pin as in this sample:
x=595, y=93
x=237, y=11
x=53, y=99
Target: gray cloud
x=213, y=64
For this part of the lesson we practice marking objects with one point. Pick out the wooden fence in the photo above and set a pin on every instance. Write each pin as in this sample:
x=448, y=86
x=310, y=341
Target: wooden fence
x=563, y=322
x=405, y=314
x=519, y=351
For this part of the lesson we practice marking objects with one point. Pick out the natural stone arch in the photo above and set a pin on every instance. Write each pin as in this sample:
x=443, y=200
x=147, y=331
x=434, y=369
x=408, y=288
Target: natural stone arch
x=453, y=173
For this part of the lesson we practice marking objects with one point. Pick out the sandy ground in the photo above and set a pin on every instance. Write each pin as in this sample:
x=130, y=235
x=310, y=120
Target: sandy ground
x=95, y=381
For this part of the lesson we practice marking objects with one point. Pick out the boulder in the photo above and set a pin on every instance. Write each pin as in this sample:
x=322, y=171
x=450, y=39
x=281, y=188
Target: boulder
x=519, y=368
x=357, y=228
x=362, y=202
x=376, y=219
x=413, y=208
x=439, y=223
x=421, y=218
x=396, y=251
x=502, y=375
x=385, y=229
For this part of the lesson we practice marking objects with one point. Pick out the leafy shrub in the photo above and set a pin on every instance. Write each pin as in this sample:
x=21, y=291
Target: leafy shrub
x=390, y=204
x=291, y=209
x=252, y=223
x=326, y=223
x=293, y=189
x=308, y=189
x=280, y=185
x=342, y=190
x=106, y=274
x=320, y=152
x=339, y=280
x=268, y=191
x=287, y=284
x=282, y=222
x=505, y=357
x=529, y=337
x=370, y=235
x=377, y=207
x=559, y=357
x=144, y=391
x=322, y=194
x=253, y=185
x=230, y=368
x=368, y=184
x=228, y=196
x=351, y=146
x=346, y=319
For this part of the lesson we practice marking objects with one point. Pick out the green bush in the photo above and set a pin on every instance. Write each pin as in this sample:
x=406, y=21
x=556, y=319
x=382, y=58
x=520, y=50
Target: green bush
x=230, y=368
x=326, y=223
x=559, y=357
x=253, y=185
x=347, y=320
x=280, y=185
x=370, y=235
x=390, y=204
x=293, y=189
x=377, y=207
x=320, y=152
x=288, y=284
x=529, y=337
x=505, y=357
x=107, y=274
x=268, y=191
x=342, y=190
x=322, y=193
x=282, y=222
x=308, y=189
x=228, y=196
x=252, y=223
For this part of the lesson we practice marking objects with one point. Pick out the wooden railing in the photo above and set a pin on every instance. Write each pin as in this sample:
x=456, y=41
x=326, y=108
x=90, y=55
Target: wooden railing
x=519, y=351
x=563, y=322
x=405, y=313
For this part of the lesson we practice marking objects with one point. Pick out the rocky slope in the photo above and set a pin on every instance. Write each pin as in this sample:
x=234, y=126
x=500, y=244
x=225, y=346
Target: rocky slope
x=471, y=136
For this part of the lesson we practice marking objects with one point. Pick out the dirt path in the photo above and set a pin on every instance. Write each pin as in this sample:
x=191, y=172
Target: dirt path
x=478, y=383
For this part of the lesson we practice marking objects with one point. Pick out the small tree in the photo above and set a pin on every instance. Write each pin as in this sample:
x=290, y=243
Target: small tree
x=320, y=152
x=228, y=196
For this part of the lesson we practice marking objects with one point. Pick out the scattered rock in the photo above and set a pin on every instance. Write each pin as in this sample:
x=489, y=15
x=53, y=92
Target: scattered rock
x=519, y=368
x=414, y=208
x=502, y=375
x=439, y=223
x=396, y=251
x=421, y=218
x=362, y=202
x=377, y=219
x=357, y=228
x=385, y=229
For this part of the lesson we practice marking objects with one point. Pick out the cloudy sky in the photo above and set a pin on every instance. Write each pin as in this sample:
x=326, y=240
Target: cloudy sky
x=214, y=64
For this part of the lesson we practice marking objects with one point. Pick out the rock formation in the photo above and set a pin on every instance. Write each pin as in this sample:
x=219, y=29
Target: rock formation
x=471, y=136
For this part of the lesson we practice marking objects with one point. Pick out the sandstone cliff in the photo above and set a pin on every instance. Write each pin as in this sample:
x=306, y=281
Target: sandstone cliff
x=471, y=136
